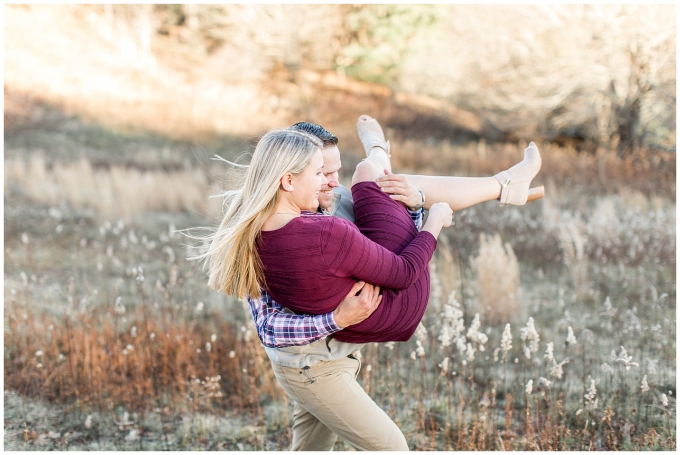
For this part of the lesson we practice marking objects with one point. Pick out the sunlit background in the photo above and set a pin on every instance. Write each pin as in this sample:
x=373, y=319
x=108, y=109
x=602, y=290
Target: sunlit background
x=113, y=112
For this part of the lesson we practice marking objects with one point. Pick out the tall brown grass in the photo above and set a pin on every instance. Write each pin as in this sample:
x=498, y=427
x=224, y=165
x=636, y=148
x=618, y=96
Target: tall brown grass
x=112, y=192
x=136, y=355
x=497, y=274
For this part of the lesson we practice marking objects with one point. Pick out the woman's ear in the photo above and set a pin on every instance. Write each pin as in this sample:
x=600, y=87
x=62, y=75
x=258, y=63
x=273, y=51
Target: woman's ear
x=287, y=182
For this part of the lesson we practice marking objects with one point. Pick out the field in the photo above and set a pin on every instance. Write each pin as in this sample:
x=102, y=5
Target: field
x=550, y=327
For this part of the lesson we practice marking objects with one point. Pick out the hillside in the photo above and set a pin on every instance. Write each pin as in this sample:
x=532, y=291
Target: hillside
x=57, y=58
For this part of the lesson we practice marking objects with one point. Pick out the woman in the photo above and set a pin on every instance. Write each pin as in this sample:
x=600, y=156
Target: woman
x=268, y=239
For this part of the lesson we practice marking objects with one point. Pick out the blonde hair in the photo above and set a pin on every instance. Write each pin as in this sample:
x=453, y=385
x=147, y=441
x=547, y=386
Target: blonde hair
x=234, y=266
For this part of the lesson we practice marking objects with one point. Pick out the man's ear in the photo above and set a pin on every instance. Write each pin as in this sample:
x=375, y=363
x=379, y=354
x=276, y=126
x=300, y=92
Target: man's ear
x=287, y=182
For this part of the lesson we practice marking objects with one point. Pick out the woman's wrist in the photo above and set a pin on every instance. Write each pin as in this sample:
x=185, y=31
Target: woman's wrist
x=433, y=225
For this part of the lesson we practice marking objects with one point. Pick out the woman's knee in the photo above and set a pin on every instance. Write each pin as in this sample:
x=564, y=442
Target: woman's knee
x=366, y=171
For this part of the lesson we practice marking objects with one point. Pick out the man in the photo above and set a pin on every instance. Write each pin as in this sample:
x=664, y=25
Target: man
x=320, y=376
x=318, y=372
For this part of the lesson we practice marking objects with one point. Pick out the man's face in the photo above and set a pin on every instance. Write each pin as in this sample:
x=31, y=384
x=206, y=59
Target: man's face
x=331, y=166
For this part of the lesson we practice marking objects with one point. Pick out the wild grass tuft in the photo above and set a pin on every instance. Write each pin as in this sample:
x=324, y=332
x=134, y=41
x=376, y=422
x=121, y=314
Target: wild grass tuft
x=498, y=285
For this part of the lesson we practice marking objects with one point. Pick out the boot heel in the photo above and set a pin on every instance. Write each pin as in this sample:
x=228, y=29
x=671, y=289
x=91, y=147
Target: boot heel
x=536, y=193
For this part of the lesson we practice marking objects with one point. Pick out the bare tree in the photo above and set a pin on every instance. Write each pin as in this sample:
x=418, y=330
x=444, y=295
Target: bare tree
x=261, y=39
x=603, y=75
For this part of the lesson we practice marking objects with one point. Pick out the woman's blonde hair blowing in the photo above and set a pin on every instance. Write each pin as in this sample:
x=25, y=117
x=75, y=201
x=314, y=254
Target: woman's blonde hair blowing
x=234, y=267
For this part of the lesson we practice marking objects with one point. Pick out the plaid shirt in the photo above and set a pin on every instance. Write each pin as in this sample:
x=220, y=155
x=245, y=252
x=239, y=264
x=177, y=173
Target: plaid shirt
x=278, y=328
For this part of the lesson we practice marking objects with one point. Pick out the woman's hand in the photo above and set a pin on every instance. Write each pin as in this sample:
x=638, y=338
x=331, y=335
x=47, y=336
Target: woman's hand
x=440, y=216
x=442, y=211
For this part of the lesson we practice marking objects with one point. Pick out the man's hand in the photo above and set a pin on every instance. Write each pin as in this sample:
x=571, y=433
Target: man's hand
x=400, y=189
x=355, y=308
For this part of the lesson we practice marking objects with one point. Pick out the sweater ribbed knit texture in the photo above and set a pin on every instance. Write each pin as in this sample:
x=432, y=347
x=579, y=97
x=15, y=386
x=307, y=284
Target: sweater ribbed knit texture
x=312, y=262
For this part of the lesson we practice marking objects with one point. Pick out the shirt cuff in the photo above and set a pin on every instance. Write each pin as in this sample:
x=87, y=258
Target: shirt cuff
x=329, y=323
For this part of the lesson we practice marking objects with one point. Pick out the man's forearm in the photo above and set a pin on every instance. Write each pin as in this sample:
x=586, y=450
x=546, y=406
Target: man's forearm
x=276, y=328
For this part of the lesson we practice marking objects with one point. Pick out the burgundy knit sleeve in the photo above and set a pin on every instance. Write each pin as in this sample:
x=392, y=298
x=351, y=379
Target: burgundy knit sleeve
x=347, y=252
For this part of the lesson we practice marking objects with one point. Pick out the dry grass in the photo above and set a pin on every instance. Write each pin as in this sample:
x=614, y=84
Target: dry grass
x=140, y=345
x=114, y=192
x=106, y=356
x=572, y=242
x=69, y=342
x=498, y=286
x=600, y=263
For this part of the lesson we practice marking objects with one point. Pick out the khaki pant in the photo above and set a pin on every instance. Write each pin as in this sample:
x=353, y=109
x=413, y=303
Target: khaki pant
x=329, y=402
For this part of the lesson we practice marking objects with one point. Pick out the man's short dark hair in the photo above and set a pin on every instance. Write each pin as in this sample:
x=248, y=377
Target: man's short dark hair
x=329, y=139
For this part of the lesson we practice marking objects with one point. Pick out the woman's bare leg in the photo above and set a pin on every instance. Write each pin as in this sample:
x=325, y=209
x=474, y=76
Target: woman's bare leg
x=459, y=192
x=510, y=187
x=377, y=151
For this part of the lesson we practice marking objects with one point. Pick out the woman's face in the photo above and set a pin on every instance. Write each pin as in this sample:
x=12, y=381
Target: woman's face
x=307, y=184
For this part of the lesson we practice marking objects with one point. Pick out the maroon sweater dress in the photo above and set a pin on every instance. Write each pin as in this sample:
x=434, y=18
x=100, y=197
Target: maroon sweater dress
x=312, y=262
